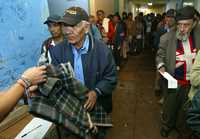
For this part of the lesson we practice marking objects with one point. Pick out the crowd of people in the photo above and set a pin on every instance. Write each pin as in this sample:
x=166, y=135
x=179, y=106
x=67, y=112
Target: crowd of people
x=95, y=46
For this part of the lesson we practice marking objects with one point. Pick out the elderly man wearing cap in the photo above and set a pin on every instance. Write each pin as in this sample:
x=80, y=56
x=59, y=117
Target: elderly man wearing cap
x=177, y=50
x=92, y=61
x=56, y=39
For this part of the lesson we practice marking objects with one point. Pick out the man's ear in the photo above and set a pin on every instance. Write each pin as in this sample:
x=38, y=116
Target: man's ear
x=86, y=26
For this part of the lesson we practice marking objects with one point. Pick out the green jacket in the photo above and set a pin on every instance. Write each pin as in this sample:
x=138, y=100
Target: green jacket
x=195, y=77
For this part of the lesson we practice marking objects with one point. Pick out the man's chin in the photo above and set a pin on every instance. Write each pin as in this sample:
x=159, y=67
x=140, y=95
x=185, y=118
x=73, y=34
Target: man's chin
x=55, y=36
x=72, y=41
x=182, y=36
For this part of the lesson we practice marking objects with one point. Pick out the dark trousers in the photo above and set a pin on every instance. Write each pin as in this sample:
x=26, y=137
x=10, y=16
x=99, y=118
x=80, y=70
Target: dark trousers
x=116, y=54
x=174, y=112
x=138, y=45
x=131, y=44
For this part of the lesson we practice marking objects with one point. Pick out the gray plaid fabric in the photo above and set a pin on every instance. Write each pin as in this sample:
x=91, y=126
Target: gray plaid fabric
x=61, y=101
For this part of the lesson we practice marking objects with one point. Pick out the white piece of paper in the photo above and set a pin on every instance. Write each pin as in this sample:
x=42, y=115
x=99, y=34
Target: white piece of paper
x=105, y=24
x=139, y=36
x=35, y=129
x=172, y=82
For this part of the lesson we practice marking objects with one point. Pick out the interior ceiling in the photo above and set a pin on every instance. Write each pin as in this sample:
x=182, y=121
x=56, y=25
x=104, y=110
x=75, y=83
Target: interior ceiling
x=144, y=2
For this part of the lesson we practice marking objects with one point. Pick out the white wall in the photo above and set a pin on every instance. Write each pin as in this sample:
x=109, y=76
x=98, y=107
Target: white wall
x=197, y=4
x=132, y=8
x=106, y=5
x=58, y=6
x=121, y=6
x=22, y=33
x=171, y=4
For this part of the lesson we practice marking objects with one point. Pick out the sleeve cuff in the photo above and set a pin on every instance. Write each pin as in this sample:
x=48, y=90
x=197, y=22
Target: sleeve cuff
x=98, y=91
x=160, y=65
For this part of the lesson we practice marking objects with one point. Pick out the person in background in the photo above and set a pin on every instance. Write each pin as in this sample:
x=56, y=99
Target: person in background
x=139, y=29
x=168, y=25
x=130, y=31
x=56, y=39
x=111, y=30
x=10, y=97
x=124, y=16
x=101, y=24
x=170, y=20
x=111, y=33
x=118, y=39
x=124, y=46
x=148, y=35
x=193, y=114
x=93, y=28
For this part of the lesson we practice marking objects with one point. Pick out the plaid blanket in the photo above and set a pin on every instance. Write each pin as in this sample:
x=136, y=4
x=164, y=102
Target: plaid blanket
x=61, y=101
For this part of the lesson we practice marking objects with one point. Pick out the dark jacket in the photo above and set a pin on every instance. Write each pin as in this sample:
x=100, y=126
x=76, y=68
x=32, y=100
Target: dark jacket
x=119, y=38
x=98, y=67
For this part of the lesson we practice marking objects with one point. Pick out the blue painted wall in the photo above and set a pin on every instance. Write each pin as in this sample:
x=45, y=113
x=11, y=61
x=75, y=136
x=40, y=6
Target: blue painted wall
x=22, y=32
x=58, y=6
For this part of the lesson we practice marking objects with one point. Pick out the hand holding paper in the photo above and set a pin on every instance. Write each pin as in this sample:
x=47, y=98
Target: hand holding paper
x=172, y=82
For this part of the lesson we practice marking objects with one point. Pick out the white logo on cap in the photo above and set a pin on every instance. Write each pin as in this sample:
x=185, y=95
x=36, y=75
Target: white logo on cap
x=70, y=12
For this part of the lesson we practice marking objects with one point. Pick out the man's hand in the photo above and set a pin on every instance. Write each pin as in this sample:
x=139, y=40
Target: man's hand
x=162, y=69
x=91, y=100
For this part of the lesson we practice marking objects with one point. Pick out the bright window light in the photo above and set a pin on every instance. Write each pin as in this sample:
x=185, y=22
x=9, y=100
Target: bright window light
x=150, y=3
x=188, y=4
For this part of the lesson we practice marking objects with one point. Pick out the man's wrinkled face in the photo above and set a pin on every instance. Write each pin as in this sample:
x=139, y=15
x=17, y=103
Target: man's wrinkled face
x=54, y=29
x=74, y=34
x=184, y=28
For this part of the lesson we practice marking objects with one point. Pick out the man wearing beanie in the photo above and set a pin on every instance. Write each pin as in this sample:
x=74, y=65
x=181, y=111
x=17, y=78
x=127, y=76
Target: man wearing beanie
x=176, y=54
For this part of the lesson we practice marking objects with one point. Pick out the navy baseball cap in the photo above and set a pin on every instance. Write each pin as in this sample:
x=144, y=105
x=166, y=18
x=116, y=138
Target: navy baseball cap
x=53, y=18
x=74, y=15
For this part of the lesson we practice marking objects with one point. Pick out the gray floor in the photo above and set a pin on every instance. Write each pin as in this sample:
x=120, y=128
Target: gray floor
x=136, y=111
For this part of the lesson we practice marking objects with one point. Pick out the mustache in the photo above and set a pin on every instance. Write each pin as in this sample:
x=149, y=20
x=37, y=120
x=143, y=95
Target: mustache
x=182, y=36
x=68, y=33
